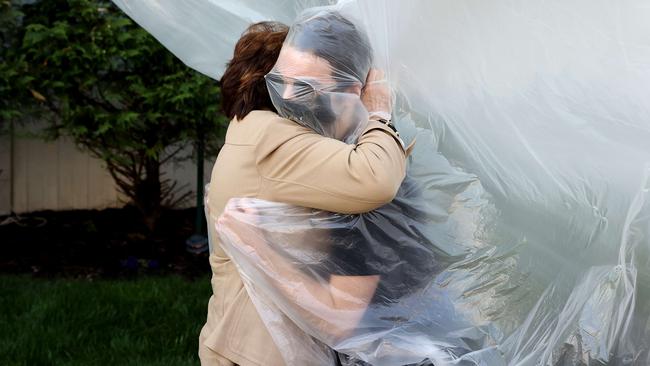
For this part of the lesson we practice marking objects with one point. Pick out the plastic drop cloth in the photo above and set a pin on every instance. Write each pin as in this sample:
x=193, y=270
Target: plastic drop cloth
x=532, y=161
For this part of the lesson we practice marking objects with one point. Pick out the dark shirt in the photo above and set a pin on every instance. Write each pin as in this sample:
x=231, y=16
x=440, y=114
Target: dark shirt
x=388, y=242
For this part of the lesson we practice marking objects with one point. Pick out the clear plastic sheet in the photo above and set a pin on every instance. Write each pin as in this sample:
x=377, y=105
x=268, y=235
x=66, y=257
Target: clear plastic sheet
x=532, y=159
x=203, y=33
x=287, y=256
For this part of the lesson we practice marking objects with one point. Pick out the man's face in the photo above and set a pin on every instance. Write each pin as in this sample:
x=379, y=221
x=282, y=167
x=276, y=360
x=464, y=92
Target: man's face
x=305, y=88
x=304, y=66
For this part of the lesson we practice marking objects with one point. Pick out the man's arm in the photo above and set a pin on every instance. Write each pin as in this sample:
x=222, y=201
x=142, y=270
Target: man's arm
x=333, y=307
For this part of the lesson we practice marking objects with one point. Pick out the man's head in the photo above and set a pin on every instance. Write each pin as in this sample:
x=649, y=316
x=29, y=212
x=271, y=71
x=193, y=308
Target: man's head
x=335, y=39
x=320, y=73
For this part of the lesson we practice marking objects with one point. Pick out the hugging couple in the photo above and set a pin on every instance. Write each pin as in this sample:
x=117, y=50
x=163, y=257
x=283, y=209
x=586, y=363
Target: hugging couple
x=319, y=249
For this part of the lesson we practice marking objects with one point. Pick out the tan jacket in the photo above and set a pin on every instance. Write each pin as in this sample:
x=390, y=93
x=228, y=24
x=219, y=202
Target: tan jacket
x=272, y=158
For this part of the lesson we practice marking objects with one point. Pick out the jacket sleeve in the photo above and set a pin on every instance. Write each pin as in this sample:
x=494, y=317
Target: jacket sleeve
x=301, y=167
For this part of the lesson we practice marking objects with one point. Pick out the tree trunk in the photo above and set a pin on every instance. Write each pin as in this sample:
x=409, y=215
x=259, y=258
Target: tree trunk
x=148, y=193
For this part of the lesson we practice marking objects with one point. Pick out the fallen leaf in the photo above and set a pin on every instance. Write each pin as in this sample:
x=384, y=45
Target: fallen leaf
x=37, y=95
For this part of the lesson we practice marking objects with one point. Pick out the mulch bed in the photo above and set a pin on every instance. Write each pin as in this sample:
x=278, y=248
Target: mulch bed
x=106, y=243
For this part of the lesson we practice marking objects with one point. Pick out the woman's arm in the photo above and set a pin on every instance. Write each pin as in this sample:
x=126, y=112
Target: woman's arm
x=305, y=169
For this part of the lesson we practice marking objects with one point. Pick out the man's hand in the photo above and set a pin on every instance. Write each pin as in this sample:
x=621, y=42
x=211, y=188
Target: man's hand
x=376, y=95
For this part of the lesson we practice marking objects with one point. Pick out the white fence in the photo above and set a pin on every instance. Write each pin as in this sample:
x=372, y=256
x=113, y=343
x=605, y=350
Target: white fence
x=57, y=176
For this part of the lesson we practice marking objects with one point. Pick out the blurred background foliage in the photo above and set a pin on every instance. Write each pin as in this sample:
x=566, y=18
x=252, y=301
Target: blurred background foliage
x=83, y=70
x=92, y=74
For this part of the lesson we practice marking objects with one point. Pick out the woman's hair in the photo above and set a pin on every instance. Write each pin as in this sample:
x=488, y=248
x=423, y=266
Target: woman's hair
x=243, y=87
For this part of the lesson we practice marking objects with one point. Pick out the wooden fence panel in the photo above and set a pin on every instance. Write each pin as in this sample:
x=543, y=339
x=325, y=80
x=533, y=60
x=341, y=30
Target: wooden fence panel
x=56, y=175
x=5, y=175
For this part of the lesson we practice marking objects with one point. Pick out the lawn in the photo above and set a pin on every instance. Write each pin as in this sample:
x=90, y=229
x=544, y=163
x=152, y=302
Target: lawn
x=147, y=321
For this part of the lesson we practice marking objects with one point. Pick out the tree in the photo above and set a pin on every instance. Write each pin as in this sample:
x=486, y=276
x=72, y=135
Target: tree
x=13, y=78
x=109, y=85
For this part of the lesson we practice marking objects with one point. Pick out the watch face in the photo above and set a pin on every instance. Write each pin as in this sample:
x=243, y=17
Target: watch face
x=390, y=125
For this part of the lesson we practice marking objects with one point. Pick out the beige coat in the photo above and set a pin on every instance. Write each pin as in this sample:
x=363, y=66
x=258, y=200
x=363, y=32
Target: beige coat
x=269, y=157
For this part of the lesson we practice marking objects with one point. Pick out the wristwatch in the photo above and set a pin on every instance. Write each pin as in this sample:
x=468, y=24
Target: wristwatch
x=389, y=124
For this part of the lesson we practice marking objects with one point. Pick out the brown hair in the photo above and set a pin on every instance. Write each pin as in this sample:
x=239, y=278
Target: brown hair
x=243, y=87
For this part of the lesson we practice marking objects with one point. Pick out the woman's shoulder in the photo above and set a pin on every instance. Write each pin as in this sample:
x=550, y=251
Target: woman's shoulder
x=263, y=127
x=260, y=118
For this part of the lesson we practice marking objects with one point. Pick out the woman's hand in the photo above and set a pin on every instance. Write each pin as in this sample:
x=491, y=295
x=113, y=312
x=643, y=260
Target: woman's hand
x=376, y=96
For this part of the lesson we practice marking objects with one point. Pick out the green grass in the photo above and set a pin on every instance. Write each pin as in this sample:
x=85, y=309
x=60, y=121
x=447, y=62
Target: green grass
x=149, y=321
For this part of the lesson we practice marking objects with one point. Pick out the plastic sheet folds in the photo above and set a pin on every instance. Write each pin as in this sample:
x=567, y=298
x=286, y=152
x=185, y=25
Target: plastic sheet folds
x=521, y=235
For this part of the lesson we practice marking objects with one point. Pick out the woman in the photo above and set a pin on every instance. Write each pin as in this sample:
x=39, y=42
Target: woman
x=269, y=157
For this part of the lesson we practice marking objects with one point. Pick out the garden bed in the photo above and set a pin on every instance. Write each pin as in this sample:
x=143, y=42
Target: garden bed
x=106, y=243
